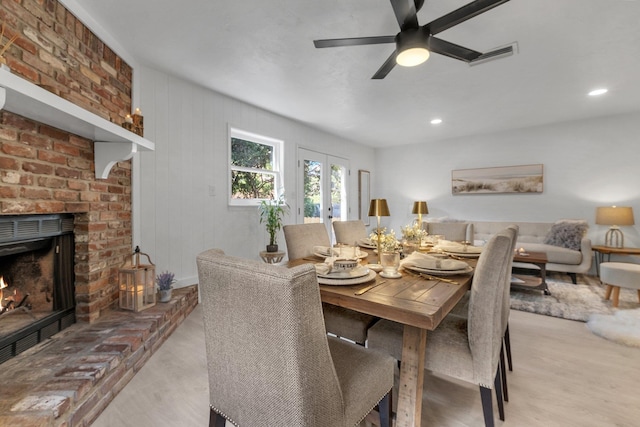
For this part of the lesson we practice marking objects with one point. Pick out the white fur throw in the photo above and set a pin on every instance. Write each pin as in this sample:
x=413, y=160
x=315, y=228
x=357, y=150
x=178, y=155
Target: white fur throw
x=567, y=233
x=622, y=327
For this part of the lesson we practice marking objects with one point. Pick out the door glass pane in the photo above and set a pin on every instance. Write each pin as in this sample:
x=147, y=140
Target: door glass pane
x=338, y=193
x=313, y=206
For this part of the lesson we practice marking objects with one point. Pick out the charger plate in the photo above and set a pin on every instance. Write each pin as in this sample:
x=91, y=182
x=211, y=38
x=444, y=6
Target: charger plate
x=347, y=282
x=431, y=272
x=462, y=254
x=366, y=243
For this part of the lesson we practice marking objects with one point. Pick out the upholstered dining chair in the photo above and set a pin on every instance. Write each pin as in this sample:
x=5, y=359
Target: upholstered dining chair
x=349, y=232
x=462, y=309
x=342, y=322
x=269, y=360
x=466, y=348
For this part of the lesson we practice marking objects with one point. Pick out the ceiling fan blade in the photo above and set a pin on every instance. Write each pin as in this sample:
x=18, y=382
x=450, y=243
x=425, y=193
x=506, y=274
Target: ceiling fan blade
x=467, y=11
x=494, y=54
x=355, y=41
x=452, y=50
x=405, y=11
x=386, y=67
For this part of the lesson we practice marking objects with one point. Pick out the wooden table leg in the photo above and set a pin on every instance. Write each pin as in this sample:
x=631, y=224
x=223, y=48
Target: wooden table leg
x=414, y=342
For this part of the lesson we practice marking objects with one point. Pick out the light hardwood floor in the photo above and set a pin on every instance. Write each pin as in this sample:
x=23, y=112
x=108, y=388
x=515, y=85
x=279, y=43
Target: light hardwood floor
x=563, y=376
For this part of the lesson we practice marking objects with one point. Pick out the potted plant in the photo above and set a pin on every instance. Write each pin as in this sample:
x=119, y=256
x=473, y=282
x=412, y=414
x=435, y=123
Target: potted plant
x=165, y=281
x=271, y=215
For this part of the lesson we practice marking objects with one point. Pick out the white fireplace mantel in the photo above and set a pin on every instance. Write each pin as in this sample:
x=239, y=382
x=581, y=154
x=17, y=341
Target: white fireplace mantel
x=113, y=143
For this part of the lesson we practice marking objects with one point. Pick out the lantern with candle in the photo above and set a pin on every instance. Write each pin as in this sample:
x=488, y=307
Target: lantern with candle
x=137, y=283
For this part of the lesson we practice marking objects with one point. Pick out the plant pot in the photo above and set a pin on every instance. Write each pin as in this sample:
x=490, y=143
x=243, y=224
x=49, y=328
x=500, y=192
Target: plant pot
x=165, y=295
x=272, y=248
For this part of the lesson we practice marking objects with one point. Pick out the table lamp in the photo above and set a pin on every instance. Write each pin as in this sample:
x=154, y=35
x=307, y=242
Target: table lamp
x=378, y=208
x=420, y=208
x=614, y=216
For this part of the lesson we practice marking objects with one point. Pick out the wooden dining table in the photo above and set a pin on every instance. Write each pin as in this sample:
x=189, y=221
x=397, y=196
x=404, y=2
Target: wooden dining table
x=418, y=303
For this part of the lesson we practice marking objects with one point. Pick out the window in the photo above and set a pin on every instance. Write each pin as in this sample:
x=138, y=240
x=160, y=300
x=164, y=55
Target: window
x=254, y=166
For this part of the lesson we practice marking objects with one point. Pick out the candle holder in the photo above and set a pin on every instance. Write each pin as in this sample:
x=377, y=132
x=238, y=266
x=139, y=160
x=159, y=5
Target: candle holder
x=137, y=283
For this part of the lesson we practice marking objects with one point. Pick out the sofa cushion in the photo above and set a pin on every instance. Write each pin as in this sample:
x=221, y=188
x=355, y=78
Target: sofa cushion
x=555, y=254
x=566, y=234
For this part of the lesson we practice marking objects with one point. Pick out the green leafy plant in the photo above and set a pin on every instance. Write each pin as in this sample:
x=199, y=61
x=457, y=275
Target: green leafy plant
x=271, y=215
x=164, y=280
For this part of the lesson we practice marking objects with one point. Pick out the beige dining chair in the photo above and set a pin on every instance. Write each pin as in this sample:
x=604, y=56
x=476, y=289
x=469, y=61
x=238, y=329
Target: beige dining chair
x=269, y=360
x=342, y=322
x=350, y=232
x=462, y=309
x=466, y=348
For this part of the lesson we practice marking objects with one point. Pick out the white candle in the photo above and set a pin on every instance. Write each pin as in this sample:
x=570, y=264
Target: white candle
x=138, y=112
x=128, y=119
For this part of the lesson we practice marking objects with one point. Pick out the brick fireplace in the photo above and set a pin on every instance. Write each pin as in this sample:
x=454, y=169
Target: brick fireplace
x=45, y=170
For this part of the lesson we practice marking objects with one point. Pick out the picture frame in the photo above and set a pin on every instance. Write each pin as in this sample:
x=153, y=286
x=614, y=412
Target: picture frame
x=364, y=195
x=498, y=180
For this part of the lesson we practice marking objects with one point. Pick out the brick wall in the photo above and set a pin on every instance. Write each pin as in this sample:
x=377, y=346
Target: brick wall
x=45, y=170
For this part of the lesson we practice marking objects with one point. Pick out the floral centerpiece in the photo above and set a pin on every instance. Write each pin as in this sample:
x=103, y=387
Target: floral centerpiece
x=413, y=232
x=388, y=253
x=388, y=241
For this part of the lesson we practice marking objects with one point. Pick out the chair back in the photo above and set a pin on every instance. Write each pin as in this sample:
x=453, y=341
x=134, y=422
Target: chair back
x=454, y=231
x=350, y=232
x=506, y=298
x=267, y=352
x=301, y=238
x=486, y=307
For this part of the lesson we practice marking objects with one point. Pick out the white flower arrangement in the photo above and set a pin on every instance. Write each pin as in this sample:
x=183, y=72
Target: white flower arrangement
x=388, y=242
x=413, y=232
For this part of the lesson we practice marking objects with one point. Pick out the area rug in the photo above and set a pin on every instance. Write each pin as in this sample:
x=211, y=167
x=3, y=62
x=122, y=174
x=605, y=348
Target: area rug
x=622, y=327
x=569, y=301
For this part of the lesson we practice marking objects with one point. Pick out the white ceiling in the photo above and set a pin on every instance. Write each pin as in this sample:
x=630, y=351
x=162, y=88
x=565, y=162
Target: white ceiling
x=261, y=52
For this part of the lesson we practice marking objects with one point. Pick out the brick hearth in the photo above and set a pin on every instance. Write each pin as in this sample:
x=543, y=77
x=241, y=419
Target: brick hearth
x=69, y=379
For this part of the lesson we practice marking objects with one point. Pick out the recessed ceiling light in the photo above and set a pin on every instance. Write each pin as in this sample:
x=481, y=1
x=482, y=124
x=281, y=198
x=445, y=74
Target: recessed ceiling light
x=436, y=121
x=597, y=92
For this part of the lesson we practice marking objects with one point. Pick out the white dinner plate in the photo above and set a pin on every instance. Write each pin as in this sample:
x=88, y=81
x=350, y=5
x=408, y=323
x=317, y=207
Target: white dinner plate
x=359, y=271
x=366, y=243
x=467, y=270
x=346, y=282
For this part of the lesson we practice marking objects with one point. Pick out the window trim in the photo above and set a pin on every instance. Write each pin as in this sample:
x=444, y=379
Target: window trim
x=277, y=171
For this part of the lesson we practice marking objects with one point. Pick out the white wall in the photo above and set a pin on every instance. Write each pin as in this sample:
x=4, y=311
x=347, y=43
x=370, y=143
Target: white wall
x=587, y=164
x=179, y=218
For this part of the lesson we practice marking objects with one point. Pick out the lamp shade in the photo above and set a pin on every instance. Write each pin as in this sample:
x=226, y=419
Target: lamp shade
x=614, y=215
x=378, y=207
x=420, y=208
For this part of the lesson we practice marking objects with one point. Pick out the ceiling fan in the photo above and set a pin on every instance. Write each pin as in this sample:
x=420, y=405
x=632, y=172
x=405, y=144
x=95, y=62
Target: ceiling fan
x=414, y=42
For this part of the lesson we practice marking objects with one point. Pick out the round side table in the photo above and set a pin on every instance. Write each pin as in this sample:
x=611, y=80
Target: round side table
x=271, y=257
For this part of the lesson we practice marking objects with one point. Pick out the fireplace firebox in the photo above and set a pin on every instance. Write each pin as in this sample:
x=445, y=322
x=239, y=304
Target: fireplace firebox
x=37, y=297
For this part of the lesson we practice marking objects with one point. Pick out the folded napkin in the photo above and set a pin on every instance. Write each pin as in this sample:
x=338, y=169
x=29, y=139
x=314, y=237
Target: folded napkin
x=449, y=246
x=325, y=267
x=417, y=259
x=324, y=251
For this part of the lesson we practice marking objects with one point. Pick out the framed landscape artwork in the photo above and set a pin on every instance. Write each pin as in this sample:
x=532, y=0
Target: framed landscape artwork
x=505, y=179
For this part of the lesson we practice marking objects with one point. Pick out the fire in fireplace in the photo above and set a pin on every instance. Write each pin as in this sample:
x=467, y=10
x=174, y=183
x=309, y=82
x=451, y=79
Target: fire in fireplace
x=36, y=280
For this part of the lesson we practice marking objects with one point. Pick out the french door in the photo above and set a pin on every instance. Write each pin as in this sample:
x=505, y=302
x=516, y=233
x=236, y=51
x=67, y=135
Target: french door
x=322, y=189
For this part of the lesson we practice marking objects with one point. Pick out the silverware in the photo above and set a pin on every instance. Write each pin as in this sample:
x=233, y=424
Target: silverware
x=368, y=288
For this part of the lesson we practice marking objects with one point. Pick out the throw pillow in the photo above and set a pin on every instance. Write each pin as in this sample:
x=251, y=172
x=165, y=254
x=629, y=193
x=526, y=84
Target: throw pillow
x=567, y=233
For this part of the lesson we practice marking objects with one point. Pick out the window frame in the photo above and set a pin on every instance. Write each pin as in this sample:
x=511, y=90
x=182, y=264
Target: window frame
x=276, y=171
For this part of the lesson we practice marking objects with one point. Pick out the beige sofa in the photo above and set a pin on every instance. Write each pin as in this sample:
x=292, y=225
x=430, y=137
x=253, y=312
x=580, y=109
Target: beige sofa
x=531, y=237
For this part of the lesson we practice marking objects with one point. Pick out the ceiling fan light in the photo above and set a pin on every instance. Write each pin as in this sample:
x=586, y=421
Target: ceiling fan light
x=412, y=56
x=412, y=46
